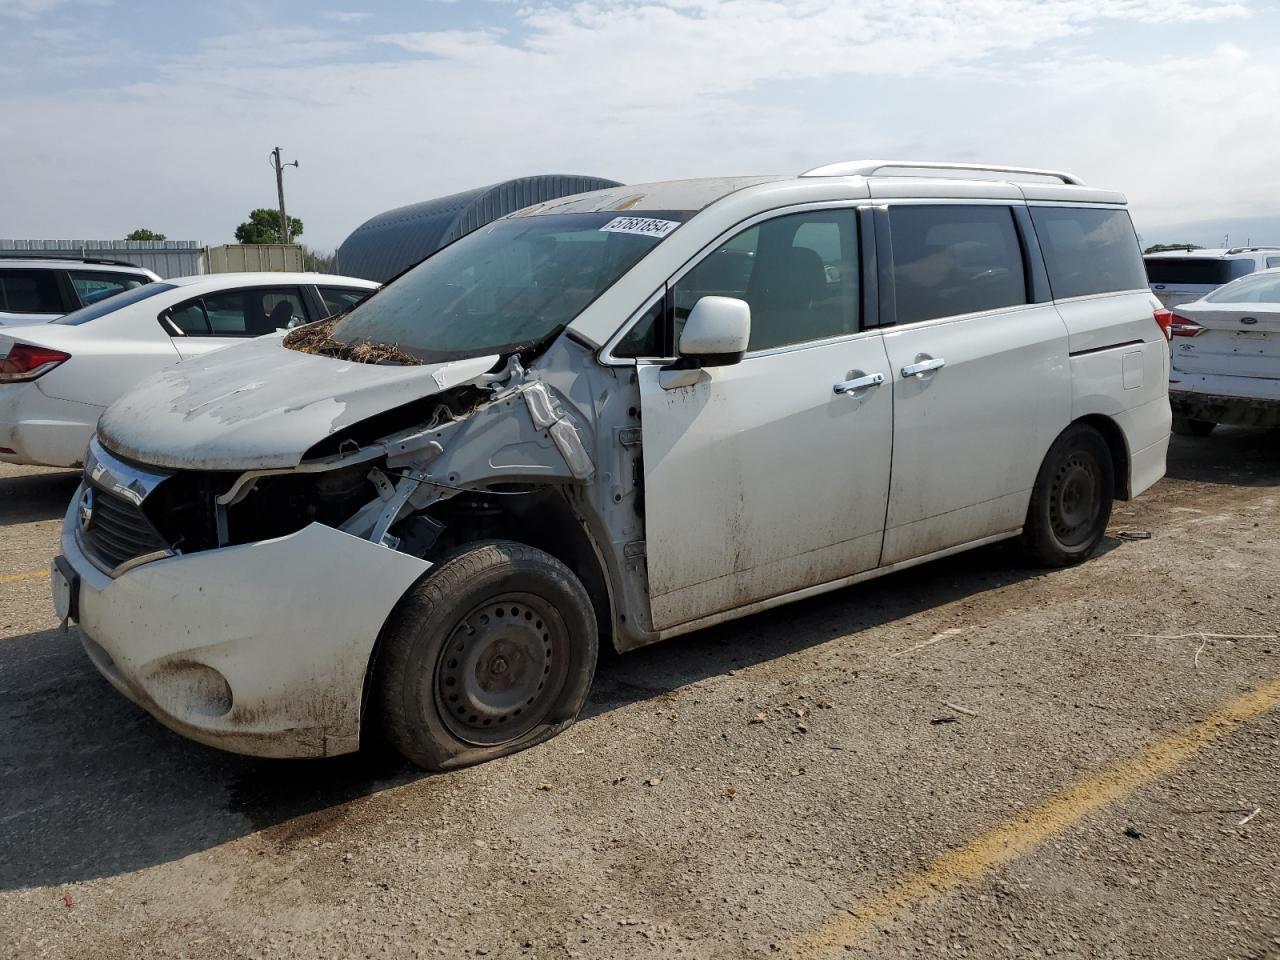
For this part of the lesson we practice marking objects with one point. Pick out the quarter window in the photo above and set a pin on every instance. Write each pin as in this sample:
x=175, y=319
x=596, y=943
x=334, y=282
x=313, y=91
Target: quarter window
x=1089, y=250
x=644, y=339
x=29, y=291
x=799, y=273
x=341, y=299
x=954, y=259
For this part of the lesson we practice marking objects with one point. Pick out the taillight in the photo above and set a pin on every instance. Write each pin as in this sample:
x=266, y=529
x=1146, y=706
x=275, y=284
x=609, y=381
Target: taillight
x=1181, y=326
x=1164, y=318
x=27, y=362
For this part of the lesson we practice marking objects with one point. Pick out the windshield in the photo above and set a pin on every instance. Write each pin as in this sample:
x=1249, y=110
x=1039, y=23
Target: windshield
x=1258, y=288
x=113, y=303
x=509, y=285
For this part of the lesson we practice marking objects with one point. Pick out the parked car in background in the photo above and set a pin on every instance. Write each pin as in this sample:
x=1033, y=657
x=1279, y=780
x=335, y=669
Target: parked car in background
x=32, y=291
x=1226, y=357
x=1179, y=276
x=626, y=415
x=56, y=378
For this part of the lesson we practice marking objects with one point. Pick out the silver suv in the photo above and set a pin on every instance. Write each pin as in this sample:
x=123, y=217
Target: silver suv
x=1180, y=276
x=35, y=291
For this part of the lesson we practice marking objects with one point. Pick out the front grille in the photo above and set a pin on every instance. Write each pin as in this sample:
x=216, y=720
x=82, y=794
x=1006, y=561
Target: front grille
x=118, y=531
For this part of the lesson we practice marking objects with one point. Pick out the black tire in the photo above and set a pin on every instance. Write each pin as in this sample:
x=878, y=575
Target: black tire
x=1071, y=501
x=1186, y=427
x=492, y=652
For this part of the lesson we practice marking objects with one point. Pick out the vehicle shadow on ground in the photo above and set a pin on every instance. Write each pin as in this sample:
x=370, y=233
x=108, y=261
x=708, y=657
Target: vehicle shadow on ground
x=95, y=787
x=1239, y=456
x=36, y=496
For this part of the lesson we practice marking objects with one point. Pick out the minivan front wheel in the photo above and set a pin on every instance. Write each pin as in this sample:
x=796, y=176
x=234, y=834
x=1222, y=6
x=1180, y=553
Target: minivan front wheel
x=1071, y=501
x=493, y=651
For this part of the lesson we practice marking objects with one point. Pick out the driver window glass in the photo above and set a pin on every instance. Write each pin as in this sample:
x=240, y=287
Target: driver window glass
x=252, y=313
x=799, y=273
x=950, y=260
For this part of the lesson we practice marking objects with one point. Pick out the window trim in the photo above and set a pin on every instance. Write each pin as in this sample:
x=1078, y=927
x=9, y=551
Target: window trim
x=888, y=302
x=605, y=354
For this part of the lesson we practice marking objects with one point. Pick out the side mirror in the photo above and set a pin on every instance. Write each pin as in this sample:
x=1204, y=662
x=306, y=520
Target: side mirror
x=716, y=333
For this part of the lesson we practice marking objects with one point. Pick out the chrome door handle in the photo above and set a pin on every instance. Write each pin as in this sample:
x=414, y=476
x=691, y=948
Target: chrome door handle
x=923, y=367
x=857, y=383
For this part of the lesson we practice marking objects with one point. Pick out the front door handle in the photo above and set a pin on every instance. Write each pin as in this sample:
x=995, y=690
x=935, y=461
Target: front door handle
x=857, y=383
x=923, y=367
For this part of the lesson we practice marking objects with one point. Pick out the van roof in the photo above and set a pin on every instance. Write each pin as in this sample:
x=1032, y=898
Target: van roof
x=887, y=178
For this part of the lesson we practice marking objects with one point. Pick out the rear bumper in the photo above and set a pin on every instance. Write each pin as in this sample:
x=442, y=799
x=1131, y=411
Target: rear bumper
x=259, y=649
x=1239, y=401
x=43, y=430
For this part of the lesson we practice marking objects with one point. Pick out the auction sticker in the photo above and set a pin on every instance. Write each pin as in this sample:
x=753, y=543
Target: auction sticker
x=645, y=226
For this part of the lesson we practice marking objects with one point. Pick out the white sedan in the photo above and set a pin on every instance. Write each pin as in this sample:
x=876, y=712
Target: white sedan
x=56, y=378
x=1226, y=357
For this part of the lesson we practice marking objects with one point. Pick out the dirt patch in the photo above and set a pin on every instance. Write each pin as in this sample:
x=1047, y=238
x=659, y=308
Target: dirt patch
x=318, y=338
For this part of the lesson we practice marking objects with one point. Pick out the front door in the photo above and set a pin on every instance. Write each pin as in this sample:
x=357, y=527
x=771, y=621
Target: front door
x=760, y=478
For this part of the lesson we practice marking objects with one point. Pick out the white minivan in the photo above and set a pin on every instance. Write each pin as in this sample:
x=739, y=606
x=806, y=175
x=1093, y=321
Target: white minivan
x=615, y=417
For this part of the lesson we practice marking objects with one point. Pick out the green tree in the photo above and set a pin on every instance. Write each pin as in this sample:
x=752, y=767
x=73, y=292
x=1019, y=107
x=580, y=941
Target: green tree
x=1162, y=247
x=144, y=234
x=263, y=226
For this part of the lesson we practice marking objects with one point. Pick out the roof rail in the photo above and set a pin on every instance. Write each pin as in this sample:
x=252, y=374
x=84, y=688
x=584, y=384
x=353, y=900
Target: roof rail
x=871, y=168
x=54, y=255
x=1254, y=247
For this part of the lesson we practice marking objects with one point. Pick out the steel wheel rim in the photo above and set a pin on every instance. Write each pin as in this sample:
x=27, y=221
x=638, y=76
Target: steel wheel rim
x=1074, y=501
x=502, y=669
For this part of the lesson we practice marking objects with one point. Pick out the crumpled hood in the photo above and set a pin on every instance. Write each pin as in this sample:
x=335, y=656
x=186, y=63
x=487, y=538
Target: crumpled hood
x=260, y=405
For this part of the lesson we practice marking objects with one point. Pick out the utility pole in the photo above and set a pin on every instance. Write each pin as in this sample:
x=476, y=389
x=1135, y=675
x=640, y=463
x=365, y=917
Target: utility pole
x=279, y=168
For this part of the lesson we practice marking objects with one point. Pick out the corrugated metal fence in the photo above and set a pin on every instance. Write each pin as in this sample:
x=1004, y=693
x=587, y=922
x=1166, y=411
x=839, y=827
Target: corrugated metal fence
x=167, y=258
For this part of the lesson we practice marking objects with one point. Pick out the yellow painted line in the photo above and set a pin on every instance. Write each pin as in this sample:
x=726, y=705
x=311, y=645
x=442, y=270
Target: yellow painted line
x=1013, y=838
x=27, y=575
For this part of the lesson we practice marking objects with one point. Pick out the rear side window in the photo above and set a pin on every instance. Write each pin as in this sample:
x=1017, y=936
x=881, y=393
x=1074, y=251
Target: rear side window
x=954, y=259
x=1088, y=250
x=339, y=299
x=252, y=313
x=1195, y=271
x=30, y=291
x=92, y=287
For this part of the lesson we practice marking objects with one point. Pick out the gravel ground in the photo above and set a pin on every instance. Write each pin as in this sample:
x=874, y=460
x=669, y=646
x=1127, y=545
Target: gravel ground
x=748, y=791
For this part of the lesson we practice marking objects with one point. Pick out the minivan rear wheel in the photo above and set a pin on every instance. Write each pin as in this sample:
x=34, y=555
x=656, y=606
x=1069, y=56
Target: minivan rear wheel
x=492, y=652
x=1071, y=501
x=1187, y=427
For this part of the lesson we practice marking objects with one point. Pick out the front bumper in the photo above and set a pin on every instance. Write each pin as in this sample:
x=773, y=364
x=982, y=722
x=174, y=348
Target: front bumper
x=1239, y=401
x=259, y=649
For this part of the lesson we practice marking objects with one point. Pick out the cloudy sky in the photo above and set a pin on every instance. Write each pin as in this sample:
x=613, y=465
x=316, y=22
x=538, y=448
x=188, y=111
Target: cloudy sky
x=127, y=113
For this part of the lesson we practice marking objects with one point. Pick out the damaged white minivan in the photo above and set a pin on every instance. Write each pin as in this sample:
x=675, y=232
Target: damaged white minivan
x=611, y=418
